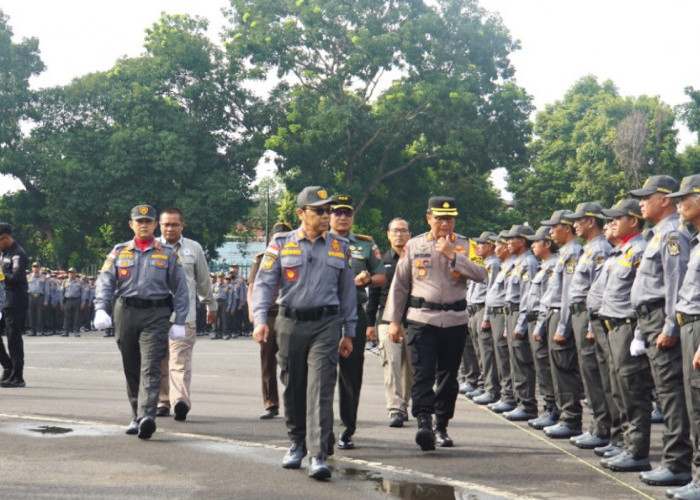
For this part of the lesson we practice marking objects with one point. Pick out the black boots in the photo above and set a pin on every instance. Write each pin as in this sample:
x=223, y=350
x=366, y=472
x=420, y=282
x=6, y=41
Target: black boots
x=425, y=438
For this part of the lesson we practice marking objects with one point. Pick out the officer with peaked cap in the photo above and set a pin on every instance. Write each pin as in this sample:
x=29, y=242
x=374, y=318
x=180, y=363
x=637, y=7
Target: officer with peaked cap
x=688, y=318
x=654, y=295
x=560, y=341
x=588, y=223
x=312, y=270
x=633, y=372
x=432, y=279
x=147, y=279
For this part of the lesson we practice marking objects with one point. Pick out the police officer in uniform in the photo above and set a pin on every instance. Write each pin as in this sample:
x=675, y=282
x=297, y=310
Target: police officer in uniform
x=633, y=372
x=142, y=274
x=369, y=272
x=560, y=342
x=37, y=297
x=654, y=295
x=432, y=279
x=317, y=299
x=588, y=223
x=688, y=318
x=221, y=291
x=71, y=303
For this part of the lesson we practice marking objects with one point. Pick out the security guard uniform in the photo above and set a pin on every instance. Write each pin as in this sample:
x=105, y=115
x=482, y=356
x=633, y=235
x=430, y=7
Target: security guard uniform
x=563, y=358
x=37, y=296
x=633, y=372
x=590, y=264
x=71, y=299
x=148, y=284
x=654, y=295
x=435, y=290
x=222, y=293
x=317, y=299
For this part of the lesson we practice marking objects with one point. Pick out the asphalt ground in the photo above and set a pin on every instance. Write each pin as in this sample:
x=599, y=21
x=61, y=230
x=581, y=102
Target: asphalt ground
x=63, y=437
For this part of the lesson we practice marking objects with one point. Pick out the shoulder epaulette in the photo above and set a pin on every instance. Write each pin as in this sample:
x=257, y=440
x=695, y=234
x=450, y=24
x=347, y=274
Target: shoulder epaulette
x=364, y=237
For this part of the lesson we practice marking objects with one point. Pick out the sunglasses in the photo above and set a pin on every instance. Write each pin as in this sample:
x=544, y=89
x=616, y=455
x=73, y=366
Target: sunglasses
x=338, y=212
x=319, y=210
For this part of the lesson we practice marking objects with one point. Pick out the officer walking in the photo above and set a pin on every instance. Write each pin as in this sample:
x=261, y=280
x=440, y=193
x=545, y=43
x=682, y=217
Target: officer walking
x=688, y=318
x=369, y=272
x=142, y=274
x=432, y=279
x=654, y=295
x=317, y=298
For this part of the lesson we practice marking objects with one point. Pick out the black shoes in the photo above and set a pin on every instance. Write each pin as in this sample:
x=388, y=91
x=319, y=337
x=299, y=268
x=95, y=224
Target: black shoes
x=346, y=443
x=133, y=428
x=181, y=410
x=318, y=469
x=294, y=456
x=162, y=411
x=271, y=412
x=6, y=374
x=147, y=426
x=442, y=439
x=13, y=383
x=396, y=419
x=425, y=437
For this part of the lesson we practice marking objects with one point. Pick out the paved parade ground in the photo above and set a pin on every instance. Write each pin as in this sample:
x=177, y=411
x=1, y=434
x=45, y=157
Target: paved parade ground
x=63, y=437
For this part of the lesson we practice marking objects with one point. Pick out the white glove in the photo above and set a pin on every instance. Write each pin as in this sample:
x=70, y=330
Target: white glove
x=102, y=320
x=637, y=347
x=177, y=332
x=0, y=314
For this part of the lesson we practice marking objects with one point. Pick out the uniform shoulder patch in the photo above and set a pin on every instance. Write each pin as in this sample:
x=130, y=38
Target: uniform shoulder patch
x=673, y=248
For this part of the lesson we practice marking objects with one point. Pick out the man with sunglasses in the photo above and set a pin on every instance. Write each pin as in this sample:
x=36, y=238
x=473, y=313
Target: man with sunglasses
x=369, y=272
x=432, y=278
x=311, y=271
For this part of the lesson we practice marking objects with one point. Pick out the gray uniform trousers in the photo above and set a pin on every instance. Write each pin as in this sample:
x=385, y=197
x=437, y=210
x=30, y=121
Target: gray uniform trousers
x=498, y=326
x=634, y=377
x=470, y=370
x=667, y=371
x=36, y=312
x=142, y=338
x=608, y=379
x=71, y=312
x=489, y=371
x=690, y=340
x=565, y=374
x=590, y=375
x=543, y=370
x=522, y=366
x=308, y=361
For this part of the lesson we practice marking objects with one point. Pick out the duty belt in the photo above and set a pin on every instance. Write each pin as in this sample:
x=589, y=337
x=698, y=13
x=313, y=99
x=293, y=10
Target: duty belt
x=137, y=303
x=474, y=308
x=496, y=310
x=310, y=314
x=684, y=319
x=594, y=316
x=460, y=305
x=650, y=307
x=578, y=307
x=612, y=323
x=532, y=315
x=511, y=307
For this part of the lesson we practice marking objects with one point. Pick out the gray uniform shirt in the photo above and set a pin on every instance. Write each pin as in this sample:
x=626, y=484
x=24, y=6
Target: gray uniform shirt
x=424, y=272
x=524, y=268
x=496, y=295
x=533, y=298
x=493, y=267
x=72, y=289
x=589, y=265
x=624, y=263
x=196, y=269
x=689, y=294
x=151, y=274
x=36, y=284
x=309, y=275
x=557, y=294
x=662, y=269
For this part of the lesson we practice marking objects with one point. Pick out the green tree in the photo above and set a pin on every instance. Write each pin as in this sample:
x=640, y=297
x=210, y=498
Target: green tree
x=379, y=94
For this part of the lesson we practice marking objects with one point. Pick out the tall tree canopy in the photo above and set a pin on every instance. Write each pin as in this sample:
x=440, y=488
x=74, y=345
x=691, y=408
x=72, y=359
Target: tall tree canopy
x=594, y=145
x=168, y=128
x=389, y=101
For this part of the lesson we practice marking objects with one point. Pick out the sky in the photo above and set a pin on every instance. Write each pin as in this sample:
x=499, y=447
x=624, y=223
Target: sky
x=644, y=46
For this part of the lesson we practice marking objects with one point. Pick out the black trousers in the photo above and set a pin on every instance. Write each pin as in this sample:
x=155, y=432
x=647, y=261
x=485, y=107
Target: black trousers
x=12, y=324
x=435, y=357
x=350, y=372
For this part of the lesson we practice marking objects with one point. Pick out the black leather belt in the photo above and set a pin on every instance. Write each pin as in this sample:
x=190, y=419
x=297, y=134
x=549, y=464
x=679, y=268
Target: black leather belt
x=311, y=314
x=594, y=316
x=684, y=319
x=612, y=323
x=648, y=308
x=512, y=307
x=532, y=315
x=137, y=303
x=578, y=307
x=474, y=308
x=460, y=305
x=72, y=298
x=496, y=310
